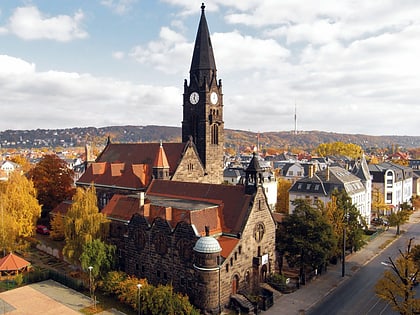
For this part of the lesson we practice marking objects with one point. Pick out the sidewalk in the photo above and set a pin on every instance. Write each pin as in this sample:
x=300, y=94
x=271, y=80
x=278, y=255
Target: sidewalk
x=307, y=296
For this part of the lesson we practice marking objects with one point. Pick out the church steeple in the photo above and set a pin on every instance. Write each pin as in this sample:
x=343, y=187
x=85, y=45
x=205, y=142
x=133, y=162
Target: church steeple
x=203, y=66
x=203, y=105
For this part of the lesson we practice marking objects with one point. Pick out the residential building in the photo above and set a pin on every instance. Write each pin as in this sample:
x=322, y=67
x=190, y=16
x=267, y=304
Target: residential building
x=6, y=168
x=394, y=181
x=319, y=186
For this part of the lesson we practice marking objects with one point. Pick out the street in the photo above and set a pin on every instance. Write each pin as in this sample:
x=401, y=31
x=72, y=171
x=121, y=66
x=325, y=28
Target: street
x=356, y=295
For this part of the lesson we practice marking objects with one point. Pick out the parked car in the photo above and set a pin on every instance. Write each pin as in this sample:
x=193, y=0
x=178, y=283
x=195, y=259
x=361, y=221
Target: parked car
x=42, y=229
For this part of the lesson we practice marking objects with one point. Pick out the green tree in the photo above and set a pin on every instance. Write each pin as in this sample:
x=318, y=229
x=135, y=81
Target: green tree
x=153, y=300
x=399, y=217
x=83, y=223
x=397, y=286
x=354, y=223
x=53, y=181
x=19, y=210
x=306, y=237
x=99, y=255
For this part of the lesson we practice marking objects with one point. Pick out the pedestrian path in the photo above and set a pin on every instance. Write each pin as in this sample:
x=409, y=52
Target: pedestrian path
x=307, y=296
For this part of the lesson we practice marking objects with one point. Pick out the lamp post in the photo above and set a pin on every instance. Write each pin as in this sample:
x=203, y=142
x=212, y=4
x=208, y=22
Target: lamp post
x=138, y=306
x=91, y=287
x=219, y=266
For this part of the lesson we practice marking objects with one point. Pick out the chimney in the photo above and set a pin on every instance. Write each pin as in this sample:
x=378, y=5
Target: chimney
x=141, y=199
x=168, y=214
x=146, y=210
x=311, y=170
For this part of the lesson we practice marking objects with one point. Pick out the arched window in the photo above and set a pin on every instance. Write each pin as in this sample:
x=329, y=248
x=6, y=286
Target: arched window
x=214, y=134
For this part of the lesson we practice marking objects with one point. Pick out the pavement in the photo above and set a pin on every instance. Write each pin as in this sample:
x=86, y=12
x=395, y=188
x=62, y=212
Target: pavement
x=314, y=291
x=46, y=298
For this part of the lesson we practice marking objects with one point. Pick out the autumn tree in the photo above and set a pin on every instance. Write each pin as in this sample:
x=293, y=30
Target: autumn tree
x=335, y=217
x=83, y=223
x=57, y=228
x=53, y=181
x=397, y=286
x=153, y=300
x=400, y=216
x=378, y=202
x=19, y=210
x=22, y=161
x=283, y=187
x=306, y=237
x=339, y=148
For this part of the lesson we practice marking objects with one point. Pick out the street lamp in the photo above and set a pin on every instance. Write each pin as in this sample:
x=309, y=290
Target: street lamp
x=92, y=297
x=138, y=306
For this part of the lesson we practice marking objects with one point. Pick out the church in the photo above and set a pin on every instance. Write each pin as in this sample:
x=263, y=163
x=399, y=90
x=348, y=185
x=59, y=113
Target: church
x=172, y=219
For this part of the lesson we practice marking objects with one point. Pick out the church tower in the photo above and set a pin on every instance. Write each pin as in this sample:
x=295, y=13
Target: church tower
x=203, y=106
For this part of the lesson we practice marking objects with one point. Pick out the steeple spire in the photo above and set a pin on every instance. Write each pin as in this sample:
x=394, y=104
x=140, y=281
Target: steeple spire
x=203, y=66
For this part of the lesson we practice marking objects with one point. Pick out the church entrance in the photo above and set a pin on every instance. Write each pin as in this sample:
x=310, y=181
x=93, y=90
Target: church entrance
x=235, y=284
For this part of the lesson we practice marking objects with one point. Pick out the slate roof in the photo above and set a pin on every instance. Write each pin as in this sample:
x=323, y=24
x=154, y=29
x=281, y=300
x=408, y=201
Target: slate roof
x=322, y=183
x=378, y=171
x=203, y=66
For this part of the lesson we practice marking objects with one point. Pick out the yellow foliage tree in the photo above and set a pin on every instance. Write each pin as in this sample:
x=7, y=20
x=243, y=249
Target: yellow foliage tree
x=397, y=286
x=57, y=228
x=283, y=187
x=83, y=223
x=378, y=202
x=339, y=148
x=19, y=210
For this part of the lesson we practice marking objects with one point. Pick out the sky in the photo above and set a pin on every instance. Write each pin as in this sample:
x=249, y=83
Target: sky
x=348, y=66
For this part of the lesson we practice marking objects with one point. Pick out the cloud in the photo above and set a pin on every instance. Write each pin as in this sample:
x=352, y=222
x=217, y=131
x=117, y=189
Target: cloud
x=119, y=6
x=30, y=24
x=54, y=99
x=118, y=55
x=167, y=54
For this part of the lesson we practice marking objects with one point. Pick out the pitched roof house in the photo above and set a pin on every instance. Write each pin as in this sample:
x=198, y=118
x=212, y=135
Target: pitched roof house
x=319, y=186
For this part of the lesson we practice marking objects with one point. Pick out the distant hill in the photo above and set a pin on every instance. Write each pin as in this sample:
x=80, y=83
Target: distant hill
x=237, y=139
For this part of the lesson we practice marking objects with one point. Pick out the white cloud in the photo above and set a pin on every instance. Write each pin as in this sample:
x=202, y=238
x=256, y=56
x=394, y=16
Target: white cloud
x=118, y=55
x=119, y=6
x=12, y=65
x=55, y=99
x=167, y=54
x=31, y=24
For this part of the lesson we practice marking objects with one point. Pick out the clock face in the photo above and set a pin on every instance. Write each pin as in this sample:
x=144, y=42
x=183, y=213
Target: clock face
x=194, y=98
x=213, y=98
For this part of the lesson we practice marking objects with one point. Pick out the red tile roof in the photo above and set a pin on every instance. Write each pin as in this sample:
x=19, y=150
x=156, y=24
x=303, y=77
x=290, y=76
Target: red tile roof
x=161, y=160
x=122, y=207
x=129, y=165
x=142, y=153
x=227, y=244
x=62, y=208
x=13, y=262
x=119, y=175
x=232, y=200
